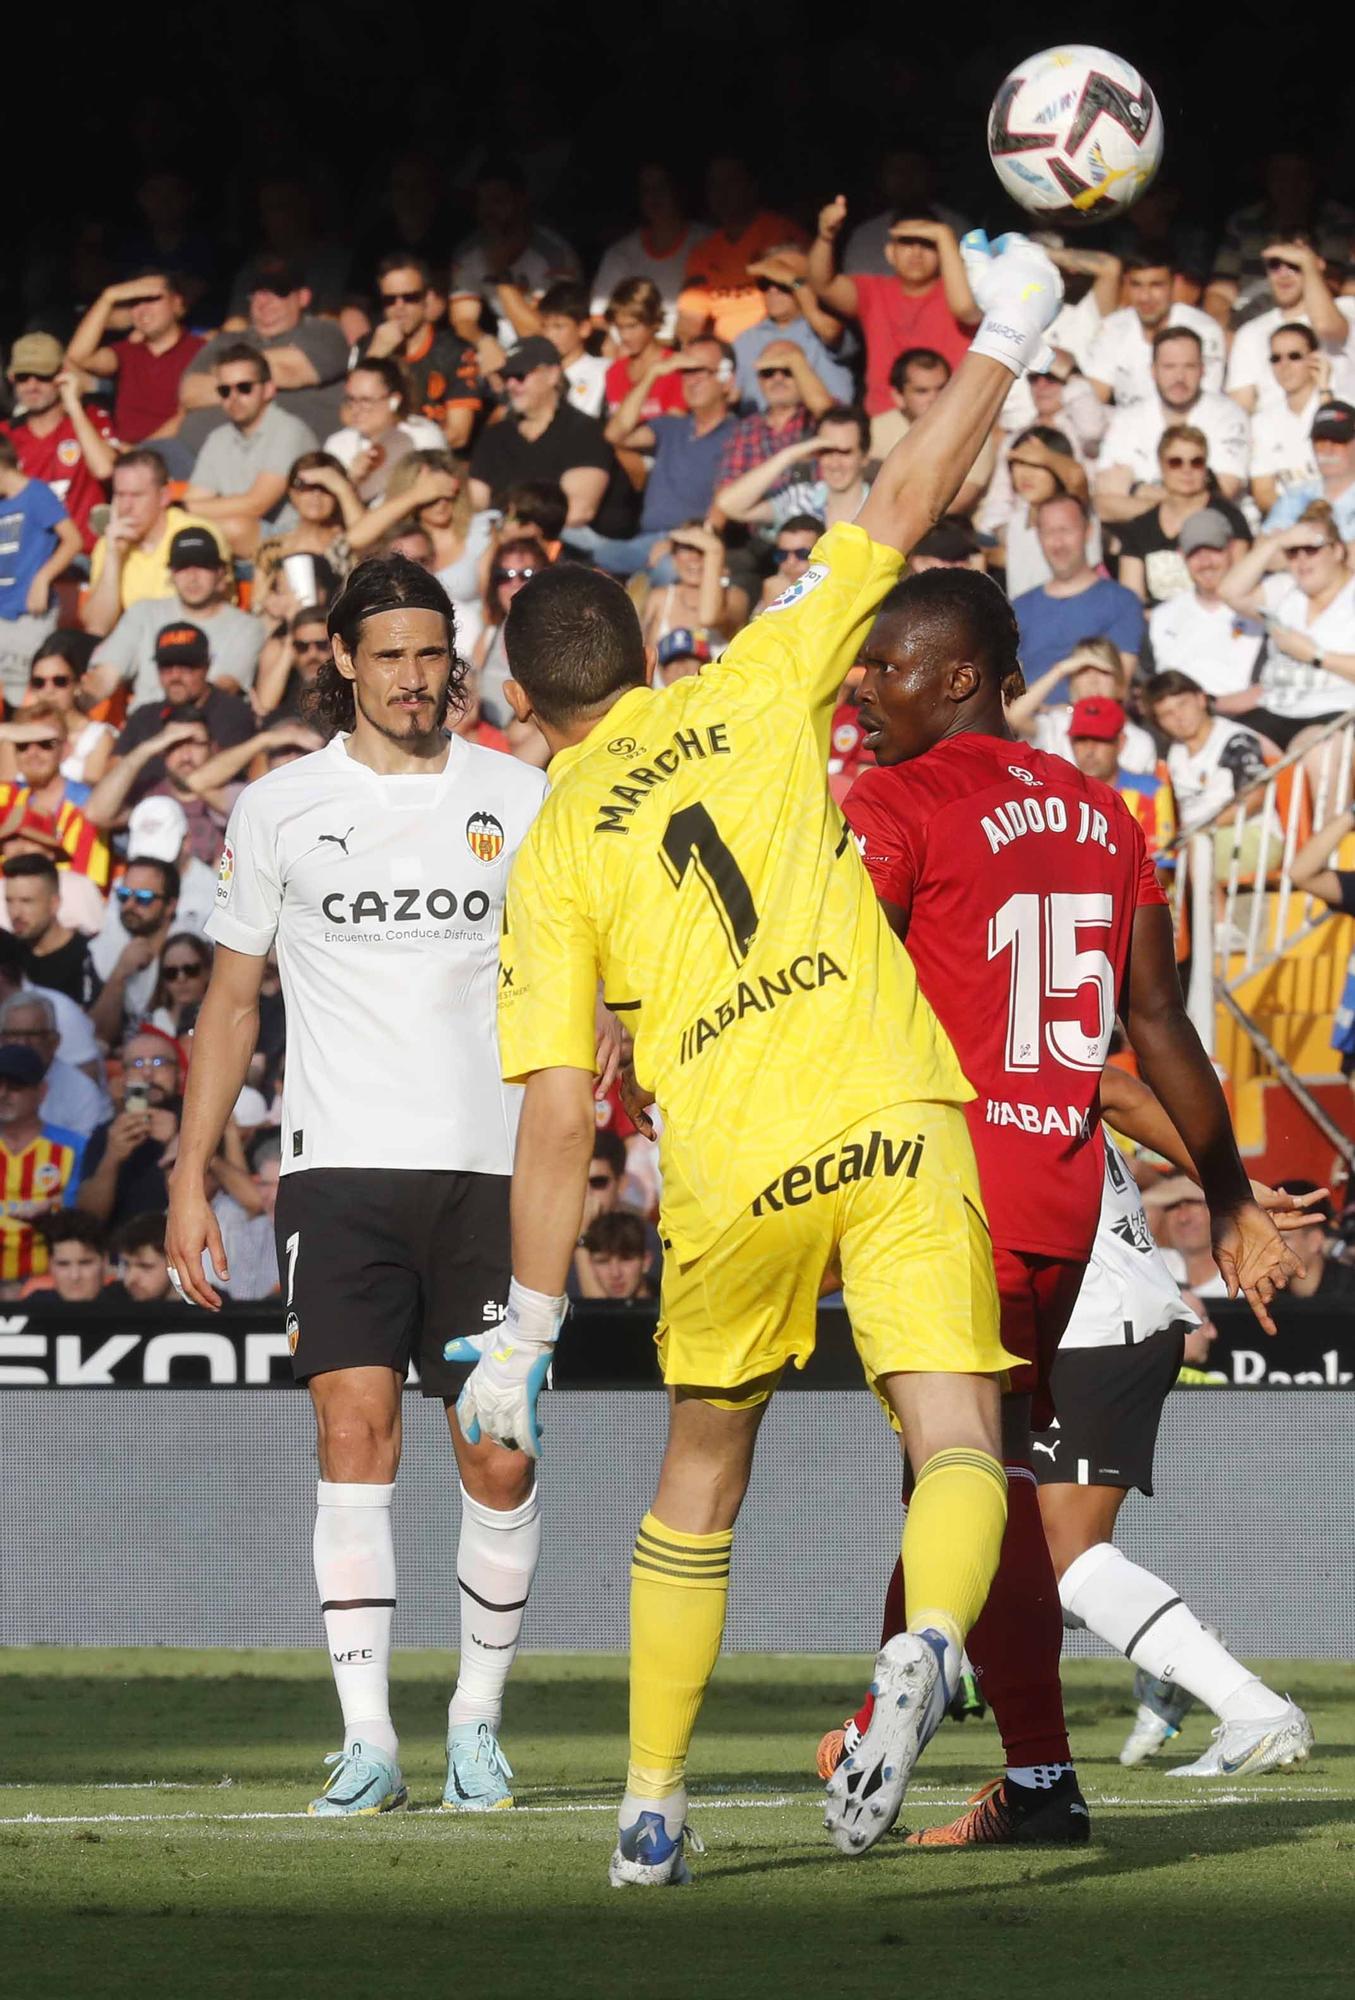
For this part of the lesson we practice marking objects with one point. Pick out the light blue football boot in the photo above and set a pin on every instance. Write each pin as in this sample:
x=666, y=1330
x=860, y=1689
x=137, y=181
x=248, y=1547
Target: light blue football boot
x=479, y=1776
x=365, y=1781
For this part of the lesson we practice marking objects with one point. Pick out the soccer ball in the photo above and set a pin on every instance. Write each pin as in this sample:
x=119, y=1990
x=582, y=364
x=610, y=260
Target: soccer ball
x=1075, y=135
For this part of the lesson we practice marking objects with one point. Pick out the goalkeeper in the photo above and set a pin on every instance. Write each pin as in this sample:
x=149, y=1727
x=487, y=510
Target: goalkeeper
x=689, y=854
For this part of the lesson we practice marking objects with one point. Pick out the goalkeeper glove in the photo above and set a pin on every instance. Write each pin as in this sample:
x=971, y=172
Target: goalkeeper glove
x=499, y=1401
x=1019, y=291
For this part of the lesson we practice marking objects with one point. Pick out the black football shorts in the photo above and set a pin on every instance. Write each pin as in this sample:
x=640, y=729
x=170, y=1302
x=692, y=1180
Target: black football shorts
x=380, y=1266
x=1109, y=1402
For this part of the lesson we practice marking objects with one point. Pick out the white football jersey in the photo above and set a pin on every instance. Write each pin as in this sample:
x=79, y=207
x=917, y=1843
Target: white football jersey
x=385, y=897
x=1136, y=431
x=1122, y=353
x=1128, y=1293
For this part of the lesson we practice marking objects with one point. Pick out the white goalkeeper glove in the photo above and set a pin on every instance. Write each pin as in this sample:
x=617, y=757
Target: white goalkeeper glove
x=499, y=1401
x=1019, y=291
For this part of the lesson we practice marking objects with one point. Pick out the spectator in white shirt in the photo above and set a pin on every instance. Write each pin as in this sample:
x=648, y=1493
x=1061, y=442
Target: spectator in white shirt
x=1151, y=563
x=378, y=429
x=1094, y=671
x=1212, y=758
x=1195, y=632
x=1120, y=364
x=1333, y=441
x=508, y=258
x=1281, y=430
x=567, y=322
x=1296, y=276
x=1038, y=463
x=1127, y=475
x=657, y=250
x=1299, y=583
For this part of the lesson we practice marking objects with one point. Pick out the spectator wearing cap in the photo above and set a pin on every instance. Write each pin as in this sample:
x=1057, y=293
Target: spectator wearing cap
x=1179, y=1218
x=543, y=438
x=147, y=359
x=379, y=429
x=831, y=466
x=161, y=771
x=1096, y=732
x=792, y=313
x=131, y=557
x=40, y=1164
x=441, y=374
x=681, y=654
x=507, y=257
x=719, y=294
x=702, y=599
x=38, y=541
x=1120, y=363
x=1128, y=470
x=126, y=1163
x=182, y=656
x=142, y=912
x=1296, y=281
x=1151, y=562
x=1193, y=630
x=687, y=450
x=791, y=550
x=1282, y=429
x=1332, y=435
x=60, y=438
x=1093, y=669
x=926, y=303
x=306, y=358
x=241, y=474
x=70, y=1098
x=200, y=597
x=55, y=957
x=1324, y=1278
x=44, y=806
x=1076, y=603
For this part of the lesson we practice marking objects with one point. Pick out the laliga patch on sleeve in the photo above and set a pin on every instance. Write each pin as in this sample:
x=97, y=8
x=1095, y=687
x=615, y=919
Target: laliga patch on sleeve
x=225, y=873
x=801, y=587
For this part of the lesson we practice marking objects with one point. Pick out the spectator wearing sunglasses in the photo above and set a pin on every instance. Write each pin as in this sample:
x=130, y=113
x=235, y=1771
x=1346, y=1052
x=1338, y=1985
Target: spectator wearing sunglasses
x=200, y=596
x=441, y=374
x=515, y=563
x=793, y=401
x=702, y=600
x=126, y=953
x=379, y=430
x=1333, y=441
x=1152, y=562
x=240, y=477
x=1296, y=279
x=58, y=678
x=834, y=458
x=793, y=313
x=125, y=1164
x=289, y=666
x=687, y=449
x=38, y=542
x=926, y=303
x=1128, y=474
x=39, y=803
x=185, y=968
x=147, y=358
x=793, y=547
x=59, y=438
x=1281, y=430
x=306, y=358
x=55, y=957
x=545, y=438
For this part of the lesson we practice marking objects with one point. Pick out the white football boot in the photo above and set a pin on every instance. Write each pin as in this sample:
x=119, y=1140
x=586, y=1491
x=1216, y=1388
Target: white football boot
x=1245, y=1749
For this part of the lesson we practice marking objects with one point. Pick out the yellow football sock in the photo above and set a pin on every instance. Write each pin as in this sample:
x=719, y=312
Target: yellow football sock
x=678, y=1587
x=952, y=1540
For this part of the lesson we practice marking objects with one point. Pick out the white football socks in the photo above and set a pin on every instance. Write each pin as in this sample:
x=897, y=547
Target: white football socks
x=355, y=1575
x=1143, y=1618
x=496, y=1560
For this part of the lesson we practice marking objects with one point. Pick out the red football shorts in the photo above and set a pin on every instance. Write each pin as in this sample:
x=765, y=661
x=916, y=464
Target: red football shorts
x=1036, y=1295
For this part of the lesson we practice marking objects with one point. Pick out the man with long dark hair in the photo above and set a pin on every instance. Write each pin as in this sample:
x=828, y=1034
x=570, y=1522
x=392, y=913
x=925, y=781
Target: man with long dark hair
x=378, y=866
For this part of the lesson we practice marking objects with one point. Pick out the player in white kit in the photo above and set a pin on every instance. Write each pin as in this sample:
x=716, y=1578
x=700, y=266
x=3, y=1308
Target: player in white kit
x=1115, y=1366
x=378, y=867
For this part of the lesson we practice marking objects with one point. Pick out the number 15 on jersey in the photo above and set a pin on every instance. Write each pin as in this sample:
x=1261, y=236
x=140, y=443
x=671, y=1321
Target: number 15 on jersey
x=1051, y=971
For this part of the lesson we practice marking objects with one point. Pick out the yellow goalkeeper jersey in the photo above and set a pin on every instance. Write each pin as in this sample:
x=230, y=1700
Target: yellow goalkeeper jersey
x=689, y=853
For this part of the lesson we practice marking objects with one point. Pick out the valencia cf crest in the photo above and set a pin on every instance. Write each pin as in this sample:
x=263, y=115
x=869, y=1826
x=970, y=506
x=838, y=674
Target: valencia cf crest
x=484, y=837
x=293, y=1332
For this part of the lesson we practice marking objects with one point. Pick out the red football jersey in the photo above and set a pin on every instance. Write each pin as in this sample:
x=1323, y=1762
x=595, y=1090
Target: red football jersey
x=1020, y=878
x=58, y=461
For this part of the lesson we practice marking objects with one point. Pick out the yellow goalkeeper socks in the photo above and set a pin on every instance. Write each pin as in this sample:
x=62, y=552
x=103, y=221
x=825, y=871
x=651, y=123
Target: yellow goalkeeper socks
x=678, y=1587
x=952, y=1540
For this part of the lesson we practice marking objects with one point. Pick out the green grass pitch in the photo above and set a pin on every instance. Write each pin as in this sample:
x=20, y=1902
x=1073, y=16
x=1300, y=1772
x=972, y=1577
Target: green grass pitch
x=150, y=1845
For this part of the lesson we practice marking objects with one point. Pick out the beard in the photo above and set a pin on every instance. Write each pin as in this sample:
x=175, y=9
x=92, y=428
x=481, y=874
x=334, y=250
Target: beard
x=409, y=730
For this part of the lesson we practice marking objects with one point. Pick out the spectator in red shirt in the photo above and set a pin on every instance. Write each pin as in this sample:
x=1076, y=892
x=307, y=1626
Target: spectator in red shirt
x=927, y=303
x=147, y=361
x=635, y=314
x=59, y=439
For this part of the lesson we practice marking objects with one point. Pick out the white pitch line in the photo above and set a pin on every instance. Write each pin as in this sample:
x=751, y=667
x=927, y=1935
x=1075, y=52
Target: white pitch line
x=1177, y=1804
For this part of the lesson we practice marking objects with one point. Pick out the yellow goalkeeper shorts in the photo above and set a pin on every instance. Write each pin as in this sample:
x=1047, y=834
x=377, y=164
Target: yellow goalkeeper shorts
x=896, y=1197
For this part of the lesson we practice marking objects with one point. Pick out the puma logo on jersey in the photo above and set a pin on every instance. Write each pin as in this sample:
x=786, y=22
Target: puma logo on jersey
x=339, y=840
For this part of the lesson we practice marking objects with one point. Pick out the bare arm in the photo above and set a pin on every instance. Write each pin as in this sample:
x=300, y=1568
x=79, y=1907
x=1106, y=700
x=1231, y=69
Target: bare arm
x=1114, y=499
x=1247, y=1247
x=1133, y=576
x=808, y=381
x=223, y=1043
x=87, y=348
x=103, y=606
x=584, y=487
x=1241, y=587
x=105, y=805
x=1104, y=271
x=836, y=290
x=197, y=390
x=624, y=426
x=927, y=467
x=519, y=310
x=720, y=609
x=954, y=280
x=1311, y=871
x=742, y=499
x=550, y=1176
x=1022, y=712
x=97, y=452
x=69, y=543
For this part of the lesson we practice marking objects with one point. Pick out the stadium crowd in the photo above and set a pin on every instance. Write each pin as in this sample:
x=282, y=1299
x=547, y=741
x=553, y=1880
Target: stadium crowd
x=193, y=459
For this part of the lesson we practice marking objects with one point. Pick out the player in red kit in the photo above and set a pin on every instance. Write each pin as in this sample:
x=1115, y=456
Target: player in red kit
x=1028, y=902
